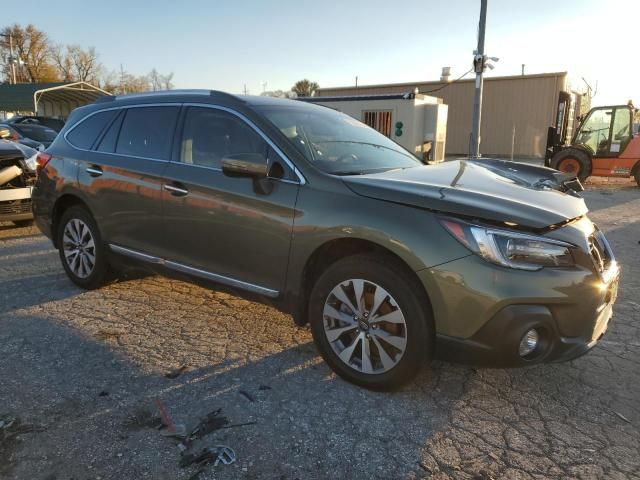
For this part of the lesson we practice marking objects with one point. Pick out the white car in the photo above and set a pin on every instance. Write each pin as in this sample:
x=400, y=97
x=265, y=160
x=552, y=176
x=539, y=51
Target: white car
x=17, y=176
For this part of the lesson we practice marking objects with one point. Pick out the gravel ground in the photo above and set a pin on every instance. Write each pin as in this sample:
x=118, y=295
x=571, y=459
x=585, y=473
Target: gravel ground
x=81, y=372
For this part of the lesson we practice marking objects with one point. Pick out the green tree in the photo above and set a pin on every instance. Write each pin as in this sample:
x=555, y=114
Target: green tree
x=305, y=88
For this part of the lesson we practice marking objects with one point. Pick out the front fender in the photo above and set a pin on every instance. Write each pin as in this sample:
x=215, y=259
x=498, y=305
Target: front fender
x=412, y=234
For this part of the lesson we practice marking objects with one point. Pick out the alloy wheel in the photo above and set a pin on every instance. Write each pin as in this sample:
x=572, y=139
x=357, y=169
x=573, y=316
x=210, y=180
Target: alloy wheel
x=365, y=326
x=79, y=248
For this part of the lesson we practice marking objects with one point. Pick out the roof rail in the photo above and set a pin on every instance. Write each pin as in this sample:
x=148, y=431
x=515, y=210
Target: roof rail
x=226, y=96
x=212, y=93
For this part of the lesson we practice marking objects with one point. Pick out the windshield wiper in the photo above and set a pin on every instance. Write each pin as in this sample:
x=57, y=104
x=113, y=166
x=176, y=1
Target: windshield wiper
x=348, y=172
x=357, y=143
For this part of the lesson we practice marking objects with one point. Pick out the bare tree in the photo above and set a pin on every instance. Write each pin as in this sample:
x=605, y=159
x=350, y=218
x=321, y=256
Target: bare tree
x=76, y=64
x=279, y=94
x=121, y=83
x=157, y=81
x=166, y=81
x=63, y=63
x=305, y=88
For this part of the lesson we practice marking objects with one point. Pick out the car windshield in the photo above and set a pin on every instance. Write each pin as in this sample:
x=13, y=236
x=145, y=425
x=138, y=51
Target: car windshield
x=337, y=143
x=36, y=132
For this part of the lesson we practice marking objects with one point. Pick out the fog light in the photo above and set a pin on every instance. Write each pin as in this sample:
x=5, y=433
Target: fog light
x=529, y=342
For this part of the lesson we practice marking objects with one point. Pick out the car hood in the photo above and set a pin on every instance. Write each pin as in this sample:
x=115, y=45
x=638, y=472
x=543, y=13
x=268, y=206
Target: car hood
x=493, y=190
x=10, y=149
x=29, y=142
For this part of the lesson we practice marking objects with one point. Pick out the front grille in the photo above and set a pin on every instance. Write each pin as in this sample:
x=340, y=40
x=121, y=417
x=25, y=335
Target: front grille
x=600, y=251
x=15, y=207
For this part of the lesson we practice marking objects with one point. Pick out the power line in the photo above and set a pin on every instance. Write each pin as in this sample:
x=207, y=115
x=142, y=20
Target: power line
x=449, y=83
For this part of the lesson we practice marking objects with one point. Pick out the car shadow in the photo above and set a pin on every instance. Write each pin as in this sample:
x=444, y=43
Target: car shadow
x=78, y=387
x=79, y=369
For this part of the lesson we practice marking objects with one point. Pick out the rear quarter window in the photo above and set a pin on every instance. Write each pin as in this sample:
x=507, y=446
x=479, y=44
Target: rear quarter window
x=85, y=133
x=147, y=132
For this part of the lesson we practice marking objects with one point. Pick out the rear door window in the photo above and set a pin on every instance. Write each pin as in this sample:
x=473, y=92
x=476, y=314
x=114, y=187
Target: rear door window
x=147, y=132
x=86, y=132
x=108, y=142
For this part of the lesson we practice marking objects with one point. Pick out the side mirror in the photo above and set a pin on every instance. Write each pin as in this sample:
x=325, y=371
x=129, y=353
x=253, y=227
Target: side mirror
x=5, y=133
x=253, y=165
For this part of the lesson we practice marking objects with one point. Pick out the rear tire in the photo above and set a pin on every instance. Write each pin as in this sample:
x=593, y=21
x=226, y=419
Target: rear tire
x=82, y=252
x=573, y=161
x=637, y=175
x=380, y=342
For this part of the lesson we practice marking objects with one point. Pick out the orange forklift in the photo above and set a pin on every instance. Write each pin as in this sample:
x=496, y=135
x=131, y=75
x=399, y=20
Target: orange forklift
x=604, y=145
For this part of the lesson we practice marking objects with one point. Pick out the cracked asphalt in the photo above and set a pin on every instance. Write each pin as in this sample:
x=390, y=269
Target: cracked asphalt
x=79, y=370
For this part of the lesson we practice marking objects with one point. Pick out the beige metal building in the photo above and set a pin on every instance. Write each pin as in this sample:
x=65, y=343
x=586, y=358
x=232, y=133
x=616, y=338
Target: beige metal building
x=417, y=122
x=516, y=115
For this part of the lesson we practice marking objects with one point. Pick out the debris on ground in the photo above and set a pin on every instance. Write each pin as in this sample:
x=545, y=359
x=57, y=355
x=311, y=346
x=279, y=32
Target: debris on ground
x=176, y=373
x=264, y=387
x=209, y=423
x=191, y=450
x=142, y=418
x=218, y=454
x=246, y=395
x=6, y=422
x=173, y=430
x=103, y=393
x=621, y=416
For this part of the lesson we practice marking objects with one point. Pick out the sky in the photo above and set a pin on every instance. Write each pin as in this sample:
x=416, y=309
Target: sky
x=226, y=44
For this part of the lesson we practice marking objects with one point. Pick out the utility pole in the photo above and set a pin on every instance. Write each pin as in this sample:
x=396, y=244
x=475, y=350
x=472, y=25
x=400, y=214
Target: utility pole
x=122, y=88
x=356, y=81
x=479, y=66
x=245, y=89
x=12, y=59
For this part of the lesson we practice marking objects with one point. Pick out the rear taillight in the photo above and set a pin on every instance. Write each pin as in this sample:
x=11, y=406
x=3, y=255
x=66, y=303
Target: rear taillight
x=41, y=160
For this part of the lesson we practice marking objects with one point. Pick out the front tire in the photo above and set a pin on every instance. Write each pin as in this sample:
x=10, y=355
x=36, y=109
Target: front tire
x=370, y=321
x=573, y=161
x=81, y=249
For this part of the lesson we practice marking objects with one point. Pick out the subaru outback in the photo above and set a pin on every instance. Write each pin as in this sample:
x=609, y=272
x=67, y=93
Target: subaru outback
x=390, y=261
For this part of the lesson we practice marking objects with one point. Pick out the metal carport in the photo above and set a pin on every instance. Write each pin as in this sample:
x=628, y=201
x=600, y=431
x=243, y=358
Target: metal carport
x=47, y=99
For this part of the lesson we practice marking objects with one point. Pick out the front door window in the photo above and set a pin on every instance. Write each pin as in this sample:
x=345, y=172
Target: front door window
x=595, y=132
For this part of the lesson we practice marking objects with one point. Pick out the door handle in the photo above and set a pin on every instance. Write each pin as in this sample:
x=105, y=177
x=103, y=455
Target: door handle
x=94, y=171
x=176, y=191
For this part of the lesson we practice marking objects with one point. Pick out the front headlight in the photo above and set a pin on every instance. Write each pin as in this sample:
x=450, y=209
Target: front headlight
x=510, y=249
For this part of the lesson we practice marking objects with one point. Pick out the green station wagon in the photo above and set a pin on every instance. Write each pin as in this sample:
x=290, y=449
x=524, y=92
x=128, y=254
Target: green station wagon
x=390, y=261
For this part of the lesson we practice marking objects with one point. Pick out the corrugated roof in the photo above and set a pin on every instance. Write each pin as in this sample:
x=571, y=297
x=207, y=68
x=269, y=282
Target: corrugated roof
x=410, y=85
x=20, y=97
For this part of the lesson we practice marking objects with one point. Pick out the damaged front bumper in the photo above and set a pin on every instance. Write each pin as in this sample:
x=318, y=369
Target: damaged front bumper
x=15, y=191
x=15, y=204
